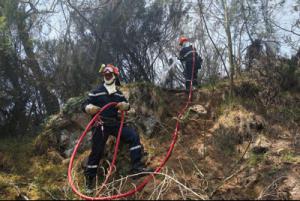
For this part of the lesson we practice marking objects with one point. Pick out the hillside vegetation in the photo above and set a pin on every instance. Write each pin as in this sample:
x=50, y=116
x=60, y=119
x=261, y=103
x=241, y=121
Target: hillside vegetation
x=228, y=148
x=239, y=136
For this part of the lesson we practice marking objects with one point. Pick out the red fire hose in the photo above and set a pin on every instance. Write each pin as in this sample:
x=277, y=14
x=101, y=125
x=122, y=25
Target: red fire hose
x=149, y=177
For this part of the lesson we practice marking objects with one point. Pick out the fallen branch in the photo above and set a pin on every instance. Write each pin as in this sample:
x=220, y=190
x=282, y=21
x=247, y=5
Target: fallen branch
x=20, y=194
x=225, y=180
x=235, y=173
x=263, y=192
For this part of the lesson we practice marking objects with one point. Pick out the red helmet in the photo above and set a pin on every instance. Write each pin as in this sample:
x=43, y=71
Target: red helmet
x=109, y=68
x=183, y=40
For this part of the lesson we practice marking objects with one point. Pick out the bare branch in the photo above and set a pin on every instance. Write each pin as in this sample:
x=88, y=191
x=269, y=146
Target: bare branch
x=204, y=20
x=284, y=29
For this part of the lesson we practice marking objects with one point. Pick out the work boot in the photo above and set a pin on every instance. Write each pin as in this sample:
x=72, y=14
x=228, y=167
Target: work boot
x=140, y=169
x=90, y=184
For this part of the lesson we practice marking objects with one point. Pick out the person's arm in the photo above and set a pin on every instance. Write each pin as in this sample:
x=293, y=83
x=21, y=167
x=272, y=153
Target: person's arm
x=199, y=61
x=89, y=105
x=92, y=109
x=181, y=54
x=123, y=104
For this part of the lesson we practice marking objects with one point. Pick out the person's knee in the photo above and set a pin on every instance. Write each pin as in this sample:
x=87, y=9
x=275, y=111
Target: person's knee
x=98, y=148
x=135, y=138
x=130, y=136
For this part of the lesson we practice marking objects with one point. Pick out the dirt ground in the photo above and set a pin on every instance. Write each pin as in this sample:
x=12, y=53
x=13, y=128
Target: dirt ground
x=225, y=152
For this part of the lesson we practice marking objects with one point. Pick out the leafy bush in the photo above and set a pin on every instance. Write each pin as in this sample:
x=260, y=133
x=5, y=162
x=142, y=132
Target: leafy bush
x=290, y=75
x=247, y=90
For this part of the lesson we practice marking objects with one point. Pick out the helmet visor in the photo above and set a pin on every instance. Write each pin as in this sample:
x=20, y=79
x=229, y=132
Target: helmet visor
x=108, y=70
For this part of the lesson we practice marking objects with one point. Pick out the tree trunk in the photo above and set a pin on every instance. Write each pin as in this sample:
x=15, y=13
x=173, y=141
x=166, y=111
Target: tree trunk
x=50, y=100
x=230, y=49
x=18, y=113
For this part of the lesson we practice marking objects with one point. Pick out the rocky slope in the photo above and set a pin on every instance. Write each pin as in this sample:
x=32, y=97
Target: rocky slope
x=228, y=148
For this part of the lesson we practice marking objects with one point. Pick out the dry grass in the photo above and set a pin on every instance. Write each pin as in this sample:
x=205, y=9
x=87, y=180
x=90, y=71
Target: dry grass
x=189, y=174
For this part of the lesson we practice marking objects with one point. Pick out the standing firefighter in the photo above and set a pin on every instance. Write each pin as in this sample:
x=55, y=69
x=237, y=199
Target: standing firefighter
x=102, y=95
x=186, y=55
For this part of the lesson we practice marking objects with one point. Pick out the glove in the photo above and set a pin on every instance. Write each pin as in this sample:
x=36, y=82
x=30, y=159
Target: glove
x=123, y=106
x=92, y=109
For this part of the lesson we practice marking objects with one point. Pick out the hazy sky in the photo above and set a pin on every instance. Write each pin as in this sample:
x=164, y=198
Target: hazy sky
x=55, y=24
x=285, y=19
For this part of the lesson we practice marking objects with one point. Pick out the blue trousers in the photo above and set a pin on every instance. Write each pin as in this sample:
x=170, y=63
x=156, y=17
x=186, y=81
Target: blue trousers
x=99, y=139
x=188, y=74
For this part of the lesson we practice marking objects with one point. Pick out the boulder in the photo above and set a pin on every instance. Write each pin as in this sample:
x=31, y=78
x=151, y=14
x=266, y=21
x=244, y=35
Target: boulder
x=199, y=109
x=81, y=119
x=148, y=107
x=261, y=145
x=62, y=131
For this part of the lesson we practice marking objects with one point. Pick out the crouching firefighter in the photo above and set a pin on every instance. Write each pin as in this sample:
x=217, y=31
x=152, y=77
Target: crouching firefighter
x=106, y=93
x=186, y=56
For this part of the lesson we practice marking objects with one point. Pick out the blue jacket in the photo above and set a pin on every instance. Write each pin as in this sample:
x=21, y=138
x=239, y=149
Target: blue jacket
x=100, y=98
x=186, y=55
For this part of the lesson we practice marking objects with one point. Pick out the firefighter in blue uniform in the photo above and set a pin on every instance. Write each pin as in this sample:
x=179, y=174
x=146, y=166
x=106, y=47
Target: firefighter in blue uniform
x=102, y=95
x=186, y=55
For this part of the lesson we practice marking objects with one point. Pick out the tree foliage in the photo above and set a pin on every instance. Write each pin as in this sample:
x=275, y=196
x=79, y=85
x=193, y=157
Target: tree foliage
x=39, y=72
